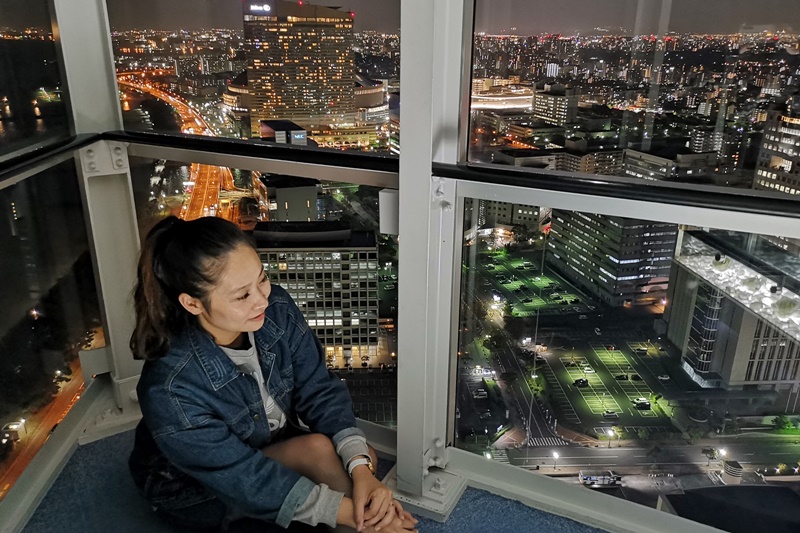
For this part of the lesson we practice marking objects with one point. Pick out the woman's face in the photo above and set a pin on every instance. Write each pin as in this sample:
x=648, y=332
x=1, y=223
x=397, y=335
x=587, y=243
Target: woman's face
x=238, y=301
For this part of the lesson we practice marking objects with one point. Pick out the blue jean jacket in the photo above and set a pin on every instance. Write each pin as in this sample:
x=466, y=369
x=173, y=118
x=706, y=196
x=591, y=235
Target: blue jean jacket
x=208, y=419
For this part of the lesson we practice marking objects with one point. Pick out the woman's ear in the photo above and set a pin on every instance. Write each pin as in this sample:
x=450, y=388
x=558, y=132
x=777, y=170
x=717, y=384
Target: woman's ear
x=191, y=304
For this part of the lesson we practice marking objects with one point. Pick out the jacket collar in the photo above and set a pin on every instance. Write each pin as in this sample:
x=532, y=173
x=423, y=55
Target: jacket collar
x=217, y=366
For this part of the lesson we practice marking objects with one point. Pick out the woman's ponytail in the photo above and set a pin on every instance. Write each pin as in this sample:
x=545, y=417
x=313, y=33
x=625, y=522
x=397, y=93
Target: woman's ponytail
x=177, y=257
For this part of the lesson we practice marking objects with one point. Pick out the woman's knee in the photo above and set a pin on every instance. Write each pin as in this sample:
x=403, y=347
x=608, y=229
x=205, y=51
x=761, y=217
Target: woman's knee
x=319, y=448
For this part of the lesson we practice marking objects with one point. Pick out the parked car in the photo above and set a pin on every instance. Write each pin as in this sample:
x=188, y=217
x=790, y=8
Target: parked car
x=479, y=394
x=597, y=331
x=611, y=347
x=663, y=377
x=582, y=317
x=636, y=377
x=641, y=403
x=390, y=287
x=588, y=370
x=621, y=377
x=582, y=382
x=610, y=414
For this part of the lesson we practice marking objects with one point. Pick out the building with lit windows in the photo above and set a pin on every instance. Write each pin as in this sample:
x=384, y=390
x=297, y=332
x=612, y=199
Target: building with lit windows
x=668, y=164
x=331, y=272
x=300, y=63
x=728, y=336
x=555, y=104
x=778, y=165
x=619, y=260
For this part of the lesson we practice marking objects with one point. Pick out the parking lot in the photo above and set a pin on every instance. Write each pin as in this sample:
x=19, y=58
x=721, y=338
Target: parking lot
x=618, y=365
x=522, y=283
x=615, y=379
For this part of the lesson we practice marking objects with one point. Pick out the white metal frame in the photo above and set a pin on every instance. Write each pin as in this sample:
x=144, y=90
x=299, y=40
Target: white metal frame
x=434, y=35
x=81, y=28
x=536, y=490
x=437, y=42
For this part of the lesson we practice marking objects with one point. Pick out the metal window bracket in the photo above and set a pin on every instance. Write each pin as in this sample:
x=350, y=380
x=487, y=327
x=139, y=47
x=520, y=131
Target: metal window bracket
x=441, y=491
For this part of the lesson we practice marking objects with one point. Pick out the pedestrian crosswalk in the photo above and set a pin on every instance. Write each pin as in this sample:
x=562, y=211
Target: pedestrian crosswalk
x=547, y=441
x=500, y=456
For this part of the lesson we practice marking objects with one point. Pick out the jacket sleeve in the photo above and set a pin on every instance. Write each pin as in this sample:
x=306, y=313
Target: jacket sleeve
x=320, y=398
x=205, y=448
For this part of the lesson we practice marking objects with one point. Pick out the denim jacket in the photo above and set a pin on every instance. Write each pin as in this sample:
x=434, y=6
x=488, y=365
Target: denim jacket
x=208, y=419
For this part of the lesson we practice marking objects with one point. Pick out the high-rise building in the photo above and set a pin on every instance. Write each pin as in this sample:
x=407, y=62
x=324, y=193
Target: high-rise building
x=556, y=104
x=619, y=260
x=331, y=272
x=300, y=64
x=778, y=166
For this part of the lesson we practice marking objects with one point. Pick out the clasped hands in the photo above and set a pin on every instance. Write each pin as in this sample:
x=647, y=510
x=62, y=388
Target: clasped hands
x=375, y=508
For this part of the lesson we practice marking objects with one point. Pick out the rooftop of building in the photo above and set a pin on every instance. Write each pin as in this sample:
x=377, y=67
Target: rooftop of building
x=282, y=125
x=741, y=508
x=757, y=253
x=281, y=181
x=363, y=81
x=303, y=10
x=331, y=234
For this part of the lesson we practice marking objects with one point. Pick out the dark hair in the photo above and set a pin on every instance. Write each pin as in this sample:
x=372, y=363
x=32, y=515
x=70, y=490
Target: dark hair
x=177, y=257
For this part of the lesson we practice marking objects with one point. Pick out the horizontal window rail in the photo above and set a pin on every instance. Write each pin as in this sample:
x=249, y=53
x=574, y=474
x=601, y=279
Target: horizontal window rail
x=673, y=193
x=18, y=168
x=327, y=164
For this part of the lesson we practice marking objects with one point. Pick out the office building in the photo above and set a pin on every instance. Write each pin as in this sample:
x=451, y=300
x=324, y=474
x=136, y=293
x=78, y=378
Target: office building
x=725, y=315
x=331, y=272
x=778, y=166
x=555, y=104
x=621, y=261
x=300, y=63
x=676, y=164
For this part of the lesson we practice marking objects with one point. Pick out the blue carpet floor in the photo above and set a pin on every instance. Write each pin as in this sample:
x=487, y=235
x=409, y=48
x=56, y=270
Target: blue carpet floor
x=94, y=494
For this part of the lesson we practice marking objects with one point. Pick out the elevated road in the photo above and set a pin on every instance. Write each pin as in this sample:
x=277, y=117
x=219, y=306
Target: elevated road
x=209, y=180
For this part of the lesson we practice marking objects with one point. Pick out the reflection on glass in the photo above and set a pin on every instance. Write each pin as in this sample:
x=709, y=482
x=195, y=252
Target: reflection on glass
x=581, y=332
x=298, y=73
x=48, y=312
x=318, y=240
x=32, y=100
x=679, y=91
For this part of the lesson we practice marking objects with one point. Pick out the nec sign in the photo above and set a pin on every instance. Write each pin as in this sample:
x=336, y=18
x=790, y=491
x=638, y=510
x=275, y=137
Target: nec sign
x=265, y=8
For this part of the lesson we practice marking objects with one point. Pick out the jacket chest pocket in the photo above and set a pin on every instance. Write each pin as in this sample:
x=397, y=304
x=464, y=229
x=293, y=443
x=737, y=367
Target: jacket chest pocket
x=244, y=424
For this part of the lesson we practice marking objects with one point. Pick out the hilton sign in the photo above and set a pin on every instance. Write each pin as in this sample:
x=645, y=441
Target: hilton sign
x=264, y=8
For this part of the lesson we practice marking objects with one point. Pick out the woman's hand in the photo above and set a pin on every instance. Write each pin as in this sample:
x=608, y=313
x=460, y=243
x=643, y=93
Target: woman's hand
x=372, y=500
x=396, y=521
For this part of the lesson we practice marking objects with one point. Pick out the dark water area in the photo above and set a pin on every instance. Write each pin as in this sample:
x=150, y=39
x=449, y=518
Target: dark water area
x=49, y=298
x=25, y=67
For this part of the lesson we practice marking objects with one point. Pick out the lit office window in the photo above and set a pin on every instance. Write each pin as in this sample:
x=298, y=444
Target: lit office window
x=49, y=311
x=687, y=92
x=628, y=352
x=33, y=110
x=308, y=74
x=318, y=240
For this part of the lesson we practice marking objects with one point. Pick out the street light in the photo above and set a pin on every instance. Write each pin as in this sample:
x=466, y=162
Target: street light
x=555, y=460
x=610, y=434
x=722, y=453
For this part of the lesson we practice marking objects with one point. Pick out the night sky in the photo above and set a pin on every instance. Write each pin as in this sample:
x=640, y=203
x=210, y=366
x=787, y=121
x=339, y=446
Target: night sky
x=493, y=16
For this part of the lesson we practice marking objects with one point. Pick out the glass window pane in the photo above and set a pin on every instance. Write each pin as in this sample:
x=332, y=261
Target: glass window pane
x=680, y=91
x=49, y=311
x=308, y=74
x=581, y=332
x=315, y=231
x=33, y=110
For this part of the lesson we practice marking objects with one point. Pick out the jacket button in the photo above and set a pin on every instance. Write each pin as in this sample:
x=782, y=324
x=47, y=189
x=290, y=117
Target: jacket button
x=256, y=417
